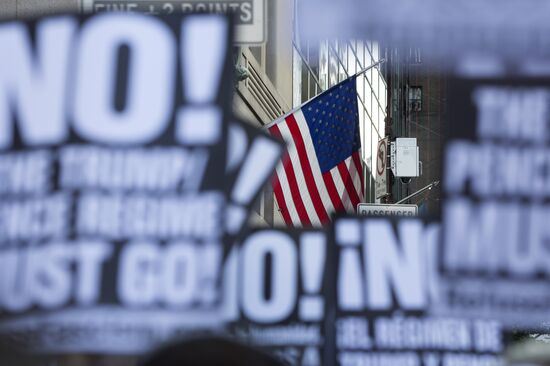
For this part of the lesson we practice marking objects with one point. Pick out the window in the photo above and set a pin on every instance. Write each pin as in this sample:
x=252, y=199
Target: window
x=415, y=98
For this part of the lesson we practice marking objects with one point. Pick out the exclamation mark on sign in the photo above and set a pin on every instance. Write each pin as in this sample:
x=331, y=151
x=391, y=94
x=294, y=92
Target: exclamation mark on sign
x=258, y=165
x=237, y=144
x=230, y=286
x=312, y=264
x=211, y=256
x=351, y=293
x=203, y=48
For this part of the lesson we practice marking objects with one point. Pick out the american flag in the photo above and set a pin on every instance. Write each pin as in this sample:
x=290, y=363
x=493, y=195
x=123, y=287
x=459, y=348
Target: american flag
x=322, y=170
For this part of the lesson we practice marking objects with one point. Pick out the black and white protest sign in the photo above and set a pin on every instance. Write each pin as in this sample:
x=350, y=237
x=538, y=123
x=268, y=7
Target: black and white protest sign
x=496, y=212
x=274, y=293
x=252, y=156
x=384, y=284
x=112, y=138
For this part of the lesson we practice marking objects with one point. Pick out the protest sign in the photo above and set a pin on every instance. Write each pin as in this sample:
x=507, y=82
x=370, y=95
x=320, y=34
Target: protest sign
x=274, y=293
x=383, y=287
x=496, y=209
x=251, y=161
x=113, y=143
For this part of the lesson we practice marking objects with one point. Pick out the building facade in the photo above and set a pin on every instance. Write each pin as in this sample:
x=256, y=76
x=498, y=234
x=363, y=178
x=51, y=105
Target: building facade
x=267, y=92
x=417, y=91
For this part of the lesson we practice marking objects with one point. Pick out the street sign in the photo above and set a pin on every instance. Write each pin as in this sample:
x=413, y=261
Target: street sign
x=381, y=181
x=250, y=15
x=387, y=210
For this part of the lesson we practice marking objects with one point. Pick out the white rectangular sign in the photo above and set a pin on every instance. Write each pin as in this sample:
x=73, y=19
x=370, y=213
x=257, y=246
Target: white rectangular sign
x=250, y=17
x=386, y=210
x=381, y=181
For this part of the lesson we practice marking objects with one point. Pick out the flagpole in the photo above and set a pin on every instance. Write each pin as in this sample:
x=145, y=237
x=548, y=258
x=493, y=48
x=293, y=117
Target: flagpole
x=361, y=72
x=381, y=61
x=427, y=188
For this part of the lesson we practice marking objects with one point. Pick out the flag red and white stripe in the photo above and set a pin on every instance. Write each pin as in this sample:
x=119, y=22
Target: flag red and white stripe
x=305, y=195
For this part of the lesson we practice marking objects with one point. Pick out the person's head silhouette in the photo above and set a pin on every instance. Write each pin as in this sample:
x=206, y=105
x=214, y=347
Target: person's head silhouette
x=209, y=351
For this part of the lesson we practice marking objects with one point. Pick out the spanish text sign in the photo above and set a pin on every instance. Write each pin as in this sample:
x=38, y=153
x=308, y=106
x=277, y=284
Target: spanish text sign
x=112, y=157
x=384, y=285
x=497, y=201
